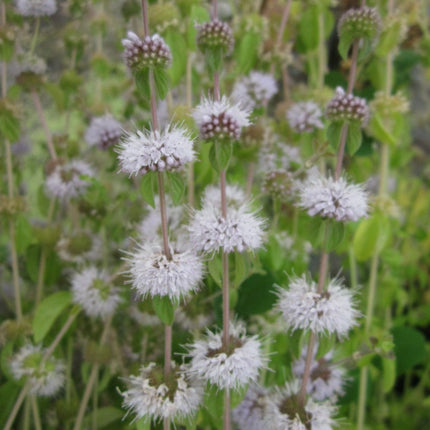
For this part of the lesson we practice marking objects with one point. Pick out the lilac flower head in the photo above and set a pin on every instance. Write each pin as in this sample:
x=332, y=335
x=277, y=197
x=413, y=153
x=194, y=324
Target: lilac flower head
x=362, y=22
x=250, y=413
x=104, y=131
x=232, y=368
x=153, y=150
x=329, y=198
x=150, y=397
x=151, y=52
x=220, y=120
x=347, y=108
x=305, y=117
x=46, y=376
x=253, y=90
x=36, y=7
x=331, y=311
x=215, y=35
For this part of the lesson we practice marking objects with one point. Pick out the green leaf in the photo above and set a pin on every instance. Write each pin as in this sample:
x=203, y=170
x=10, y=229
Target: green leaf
x=247, y=52
x=42, y=200
x=198, y=15
x=176, y=187
x=164, y=308
x=214, y=401
x=8, y=395
x=214, y=59
x=215, y=269
x=325, y=344
x=161, y=82
x=238, y=395
x=345, y=43
x=353, y=138
x=410, y=348
x=32, y=261
x=23, y=233
x=366, y=238
x=147, y=188
x=105, y=416
x=335, y=234
x=308, y=28
x=379, y=131
x=333, y=134
x=240, y=269
x=143, y=424
x=48, y=311
x=178, y=47
x=388, y=374
x=388, y=39
x=220, y=154
x=141, y=77
x=9, y=125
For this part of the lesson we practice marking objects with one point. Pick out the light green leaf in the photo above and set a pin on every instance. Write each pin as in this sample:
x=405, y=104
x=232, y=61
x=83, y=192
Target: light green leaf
x=379, y=131
x=23, y=233
x=308, y=28
x=353, y=138
x=366, y=238
x=388, y=374
x=198, y=15
x=333, y=134
x=105, y=416
x=48, y=311
x=335, y=234
x=215, y=269
x=147, y=188
x=178, y=47
x=141, y=78
x=220, y=154
x=325, y=345
x=247, y=52
x=176, y=186
x=164, y=308
x=161, y=81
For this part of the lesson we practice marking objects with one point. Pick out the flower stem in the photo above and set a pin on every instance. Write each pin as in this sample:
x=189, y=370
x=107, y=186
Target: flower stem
x=92, y=378
x=36, y=415
x=35, y=35
x=24, y=390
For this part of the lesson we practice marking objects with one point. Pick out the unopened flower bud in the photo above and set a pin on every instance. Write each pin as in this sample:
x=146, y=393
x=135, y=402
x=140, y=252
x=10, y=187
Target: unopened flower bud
x=347, y=108
x=215, y=34
x=357, y=23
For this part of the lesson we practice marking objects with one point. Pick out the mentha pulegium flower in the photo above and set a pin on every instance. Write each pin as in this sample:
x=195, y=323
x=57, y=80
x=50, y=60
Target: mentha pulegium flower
x=235, y=196
x=250, y=413
x=153, y=274
x=326, y=380
x=80, y=247
x=329, y=198
x=283, y=411
x=93, y=290
x=240, y=231
x=151, y=52
x=347, y=108
x=153, y=150
x=103, y=131
x=332, y=311
x=253, y=90
x=150, y=397
x=362, y=22
x=66, y=182
x=305, y=117
x=232, y=368
x=36, y=7
x=46, y=377
x=220, y=120
x=215, y=35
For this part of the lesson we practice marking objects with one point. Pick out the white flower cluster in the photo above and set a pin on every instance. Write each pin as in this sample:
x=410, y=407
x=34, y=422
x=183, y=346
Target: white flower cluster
x=326, y=381
x=250, y=413
x=92, y=290
x=240, y=230
x=152, y=51
x=305, y=117
x=153, y=150
x=66, y=182
x=283, y=411
x=331, y=311
x=153, y=274
x=150, y=398
x=253, y=90
x=103, y=131
x=28, y=63
x=36, y=7
x=231, y=369
x=46, y=376
x=329, y=198
x=220, y=119
x=81, y=247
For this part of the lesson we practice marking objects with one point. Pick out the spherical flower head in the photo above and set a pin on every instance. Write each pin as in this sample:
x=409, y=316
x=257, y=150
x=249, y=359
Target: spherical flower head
x=347, y=108
x=46, y=377
x=326, y=381
x=283, y=411
x=151, y=397
x=230, y=367
x=66, y=180
x=104, y=131
x=240, y=230
x=357, y=23
x=215, y=35
x=151, y=52
x=36, y=7
x=92, y=289
x=328, y=312
x=250, y=413
x=220, y=120
x=81, y=247
x=330, y=198
x=28, y=71
x=153, y=274
x=256, y=89
x=153, y=150
x=305, y=117
x=280, y=184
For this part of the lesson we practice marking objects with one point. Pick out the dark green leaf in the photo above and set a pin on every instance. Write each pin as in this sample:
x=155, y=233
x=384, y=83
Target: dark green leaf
x=215, y=269
x=164, y=308
x=147, y=188
x=48, y=311
x=353, y=138
x=176, y=187
x=141, y=78
x=105, y=415
x=9, y=125
x=345, y=43
x=388, y=374
x=410, y=348
x=308, y=28
x=23, y=233
x=220, y=154
x=248, y=52
x=333, y=134
x=214, y=59
x=178, y=47
x=161, y=82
